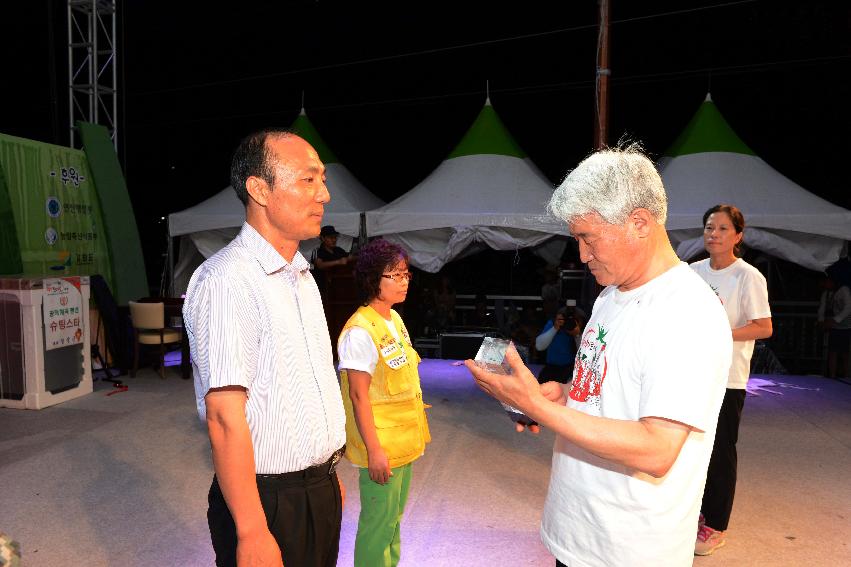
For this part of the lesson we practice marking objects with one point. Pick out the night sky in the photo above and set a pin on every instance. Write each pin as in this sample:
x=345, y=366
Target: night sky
x=392, y=90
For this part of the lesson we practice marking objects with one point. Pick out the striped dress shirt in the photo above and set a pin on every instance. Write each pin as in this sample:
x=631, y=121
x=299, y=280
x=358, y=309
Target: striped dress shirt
x=254, y=320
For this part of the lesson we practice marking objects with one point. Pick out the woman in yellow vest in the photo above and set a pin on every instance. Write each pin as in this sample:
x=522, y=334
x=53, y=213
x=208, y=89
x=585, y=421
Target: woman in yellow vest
x=386, y=427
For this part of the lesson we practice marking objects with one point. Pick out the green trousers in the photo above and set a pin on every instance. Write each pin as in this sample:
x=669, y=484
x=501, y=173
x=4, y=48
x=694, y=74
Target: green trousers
x=378, y=543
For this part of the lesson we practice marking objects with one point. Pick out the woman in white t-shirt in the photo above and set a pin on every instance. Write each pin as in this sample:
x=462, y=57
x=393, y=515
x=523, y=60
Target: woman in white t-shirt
x=744, y=294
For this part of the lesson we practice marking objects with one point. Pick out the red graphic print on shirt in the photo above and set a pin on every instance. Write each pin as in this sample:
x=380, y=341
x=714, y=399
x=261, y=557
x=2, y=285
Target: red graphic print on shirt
x=591, y=366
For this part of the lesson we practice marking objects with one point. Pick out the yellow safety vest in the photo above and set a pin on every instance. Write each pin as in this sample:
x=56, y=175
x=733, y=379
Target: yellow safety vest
x=394, y=392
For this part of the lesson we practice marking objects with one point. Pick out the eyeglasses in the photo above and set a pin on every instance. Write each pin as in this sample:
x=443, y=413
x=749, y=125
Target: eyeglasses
x=399, y=277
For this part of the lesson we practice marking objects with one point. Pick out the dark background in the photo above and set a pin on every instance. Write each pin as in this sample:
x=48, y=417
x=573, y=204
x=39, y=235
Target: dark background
x=392, y=88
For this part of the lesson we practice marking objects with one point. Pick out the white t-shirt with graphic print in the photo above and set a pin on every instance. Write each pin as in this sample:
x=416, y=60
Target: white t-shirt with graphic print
x=661, y=350
x=744, y=294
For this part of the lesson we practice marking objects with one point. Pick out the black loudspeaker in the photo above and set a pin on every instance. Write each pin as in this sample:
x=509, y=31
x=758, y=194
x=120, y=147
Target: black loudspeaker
x=12, y=375
x=460, y=346
x=116, y=323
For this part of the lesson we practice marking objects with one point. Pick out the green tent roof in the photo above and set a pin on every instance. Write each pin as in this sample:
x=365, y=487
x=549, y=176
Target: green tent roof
x=487, y=135
x=708, y=132
x=304, y=128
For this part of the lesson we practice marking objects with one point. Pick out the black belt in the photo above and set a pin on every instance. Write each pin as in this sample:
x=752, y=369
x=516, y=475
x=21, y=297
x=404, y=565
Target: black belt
x=325, y=469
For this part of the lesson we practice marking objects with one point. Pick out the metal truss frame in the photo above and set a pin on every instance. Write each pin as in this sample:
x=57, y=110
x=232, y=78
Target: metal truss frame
x=92, y=66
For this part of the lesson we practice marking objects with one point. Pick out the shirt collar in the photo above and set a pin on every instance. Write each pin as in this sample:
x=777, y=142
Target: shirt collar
x=269, y=259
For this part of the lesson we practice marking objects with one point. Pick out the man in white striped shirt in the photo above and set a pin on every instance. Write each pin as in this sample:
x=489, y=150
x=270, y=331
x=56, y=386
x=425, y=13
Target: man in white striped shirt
x=264, y=376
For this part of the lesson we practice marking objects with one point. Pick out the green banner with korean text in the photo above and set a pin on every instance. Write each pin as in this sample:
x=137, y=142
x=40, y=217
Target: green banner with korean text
x=55, y=208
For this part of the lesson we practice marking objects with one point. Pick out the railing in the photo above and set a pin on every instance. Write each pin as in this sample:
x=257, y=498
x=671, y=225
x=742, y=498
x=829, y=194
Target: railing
x=798, y=342
x=467, y=301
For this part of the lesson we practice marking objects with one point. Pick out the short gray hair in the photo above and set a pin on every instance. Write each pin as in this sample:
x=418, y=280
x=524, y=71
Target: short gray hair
x=612, y=183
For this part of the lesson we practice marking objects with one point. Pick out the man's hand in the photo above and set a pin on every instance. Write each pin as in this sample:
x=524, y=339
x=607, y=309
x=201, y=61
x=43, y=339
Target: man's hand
x=552, y=391
x=533, y=428
x=260, y=550
x=233, y=460
x=558, y=322
x=379, y=467
x=519, y=389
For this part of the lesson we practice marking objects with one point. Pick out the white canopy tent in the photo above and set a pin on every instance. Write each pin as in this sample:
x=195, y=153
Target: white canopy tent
x=486, y=193
x=208, y=226
x=709, y=164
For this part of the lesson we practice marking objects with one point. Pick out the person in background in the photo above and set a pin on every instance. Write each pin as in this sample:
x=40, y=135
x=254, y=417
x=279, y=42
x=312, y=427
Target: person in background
x=557, y=339
x=834, y=316
x=634, y=429
x=581, y=317
x=444, y=302
x=550, y=292
x=426, y=310
x=264, y=380
x=386, y=427
x=744, y=295
x=481, y=316
x=329, y=254
x=523, y=332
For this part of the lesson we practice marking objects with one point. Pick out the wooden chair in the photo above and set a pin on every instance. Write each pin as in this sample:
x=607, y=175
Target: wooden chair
x=149, y=329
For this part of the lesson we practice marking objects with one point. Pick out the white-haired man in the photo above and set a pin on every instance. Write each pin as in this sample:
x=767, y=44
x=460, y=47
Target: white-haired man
x=636, y=425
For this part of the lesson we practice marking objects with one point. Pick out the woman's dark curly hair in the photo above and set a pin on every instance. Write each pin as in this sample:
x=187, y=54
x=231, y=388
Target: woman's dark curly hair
x=736, y=217
x=373, y=260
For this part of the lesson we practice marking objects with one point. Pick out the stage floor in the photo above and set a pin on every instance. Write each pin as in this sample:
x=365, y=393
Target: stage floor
x=122, y=479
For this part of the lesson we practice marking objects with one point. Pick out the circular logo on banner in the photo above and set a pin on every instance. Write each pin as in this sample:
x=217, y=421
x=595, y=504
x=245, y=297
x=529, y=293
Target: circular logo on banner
x=50, y=236
x=54, y=208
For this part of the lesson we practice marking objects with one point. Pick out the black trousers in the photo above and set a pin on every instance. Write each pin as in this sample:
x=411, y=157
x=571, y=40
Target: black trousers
x=303, y=511
x=721, y=476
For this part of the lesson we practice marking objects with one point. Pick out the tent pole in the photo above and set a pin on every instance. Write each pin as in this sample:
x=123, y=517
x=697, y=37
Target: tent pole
x=170, y=260
x=362, y=236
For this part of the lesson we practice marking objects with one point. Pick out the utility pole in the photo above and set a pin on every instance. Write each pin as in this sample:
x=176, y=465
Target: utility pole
x=601, y=119
x=601, y=115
